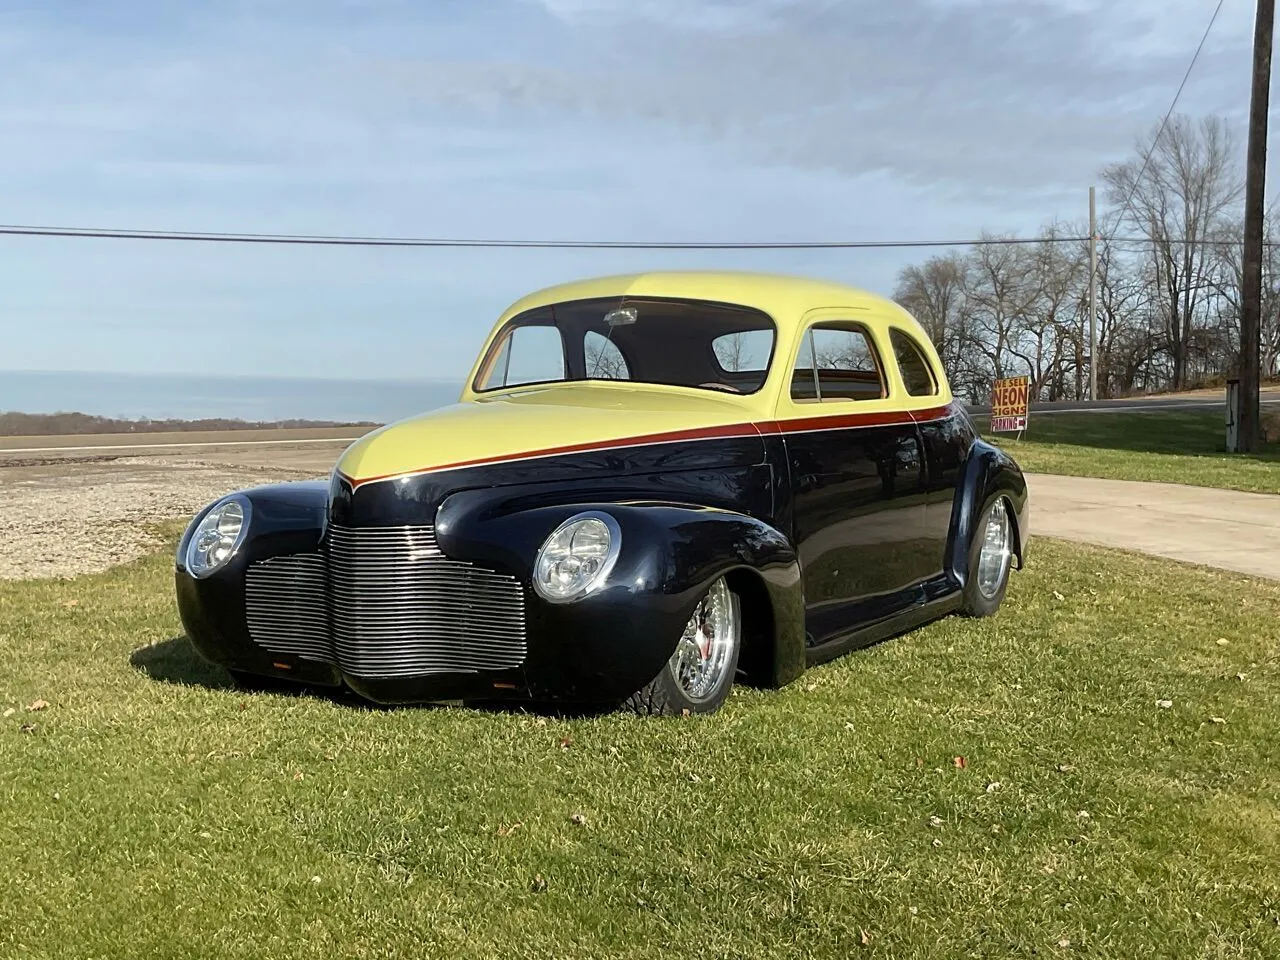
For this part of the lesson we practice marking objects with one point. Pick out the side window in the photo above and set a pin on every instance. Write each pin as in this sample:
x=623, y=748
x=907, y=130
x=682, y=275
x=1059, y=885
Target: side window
x=742, y=358
x=529, y=354
x=744, y=351
x=917, y=375
x=604, y=359
x=837, y=363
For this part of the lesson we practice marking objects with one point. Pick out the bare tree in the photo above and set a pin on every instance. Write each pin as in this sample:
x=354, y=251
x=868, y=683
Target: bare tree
x=932, y=293
x=1190, y=183
x=1168, y=304
x=731, y=351
x=1126, y=340
x=1002, y=287
x=1229, y=281
x=604, y=360
x=1049, y=340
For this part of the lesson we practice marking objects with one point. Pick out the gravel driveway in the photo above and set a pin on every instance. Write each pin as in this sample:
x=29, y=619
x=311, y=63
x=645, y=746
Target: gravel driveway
x=69, y=518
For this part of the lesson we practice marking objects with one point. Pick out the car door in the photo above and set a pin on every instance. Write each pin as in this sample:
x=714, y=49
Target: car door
x=856, y=474
x=945, y=433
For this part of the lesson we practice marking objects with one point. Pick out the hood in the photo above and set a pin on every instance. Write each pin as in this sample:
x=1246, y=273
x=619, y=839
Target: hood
x=547, y=421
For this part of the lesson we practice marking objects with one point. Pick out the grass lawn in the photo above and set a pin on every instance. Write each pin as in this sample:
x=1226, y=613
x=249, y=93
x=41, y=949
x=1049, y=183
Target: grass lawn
x=1171, y=446
x=152, y=810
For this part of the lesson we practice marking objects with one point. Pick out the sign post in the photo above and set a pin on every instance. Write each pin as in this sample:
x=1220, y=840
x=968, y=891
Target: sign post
x=1010, y=399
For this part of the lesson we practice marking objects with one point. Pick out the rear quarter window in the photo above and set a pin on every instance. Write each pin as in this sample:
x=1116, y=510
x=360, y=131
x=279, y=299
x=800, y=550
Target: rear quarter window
x=743, y=357
x=917, y=373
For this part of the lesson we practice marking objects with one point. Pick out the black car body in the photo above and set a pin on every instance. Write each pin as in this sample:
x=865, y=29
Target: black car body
x=758, y=474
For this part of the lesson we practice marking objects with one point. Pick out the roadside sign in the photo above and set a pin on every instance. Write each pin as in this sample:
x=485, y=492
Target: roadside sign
x=1009, y=404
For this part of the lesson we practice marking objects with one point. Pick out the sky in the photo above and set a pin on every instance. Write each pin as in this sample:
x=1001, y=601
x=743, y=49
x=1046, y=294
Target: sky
x=685, y=120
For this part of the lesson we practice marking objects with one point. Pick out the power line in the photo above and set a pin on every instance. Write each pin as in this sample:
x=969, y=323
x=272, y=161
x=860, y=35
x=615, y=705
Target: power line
x=1181, y=242
x=360, y=241
x=357, y=241
x=1168, y=113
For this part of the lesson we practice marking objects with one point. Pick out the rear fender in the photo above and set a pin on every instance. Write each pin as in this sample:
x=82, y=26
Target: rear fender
x=988, y=471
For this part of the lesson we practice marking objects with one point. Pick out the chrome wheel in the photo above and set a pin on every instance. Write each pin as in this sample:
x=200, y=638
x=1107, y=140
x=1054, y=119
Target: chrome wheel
x=995, y=553
x=705, y=652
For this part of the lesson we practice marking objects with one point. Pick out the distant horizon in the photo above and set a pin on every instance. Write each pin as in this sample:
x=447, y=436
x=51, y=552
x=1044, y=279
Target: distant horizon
x=248, y=397
x=160, y=374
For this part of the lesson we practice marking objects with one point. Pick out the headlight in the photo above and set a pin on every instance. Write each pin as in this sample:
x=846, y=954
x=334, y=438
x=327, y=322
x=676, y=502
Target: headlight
x=218, y=536
x=577, y=557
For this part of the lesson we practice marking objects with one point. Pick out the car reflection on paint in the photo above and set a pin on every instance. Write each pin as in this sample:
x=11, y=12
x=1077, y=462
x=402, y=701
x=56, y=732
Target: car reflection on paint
x=651, y=487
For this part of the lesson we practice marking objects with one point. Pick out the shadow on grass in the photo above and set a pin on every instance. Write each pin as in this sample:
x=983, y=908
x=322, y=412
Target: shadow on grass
x=1191, y=433
x=176, y=661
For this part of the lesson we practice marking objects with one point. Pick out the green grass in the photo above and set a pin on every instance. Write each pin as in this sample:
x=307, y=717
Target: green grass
x=154, y=811
x=1169, y=446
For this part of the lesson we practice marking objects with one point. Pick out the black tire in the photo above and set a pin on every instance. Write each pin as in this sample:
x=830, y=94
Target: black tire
x=977, y=602
x=664, y=695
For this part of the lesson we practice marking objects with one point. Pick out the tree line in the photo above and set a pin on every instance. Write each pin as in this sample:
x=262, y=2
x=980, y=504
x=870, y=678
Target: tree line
x=1167, y=289
x=16, y=424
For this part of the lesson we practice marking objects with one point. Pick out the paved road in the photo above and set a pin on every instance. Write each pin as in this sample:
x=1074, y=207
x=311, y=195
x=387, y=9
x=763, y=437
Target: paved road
x=133, y=442
x=1129, y=406
x=1220, y=528
x=119, y=444
x=96, y=446
x=328, y=439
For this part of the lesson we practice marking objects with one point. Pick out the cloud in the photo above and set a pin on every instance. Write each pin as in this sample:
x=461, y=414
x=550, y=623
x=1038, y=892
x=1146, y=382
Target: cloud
x=708, y=15
x=974, y=97
x=643, y=119
x=985, y=95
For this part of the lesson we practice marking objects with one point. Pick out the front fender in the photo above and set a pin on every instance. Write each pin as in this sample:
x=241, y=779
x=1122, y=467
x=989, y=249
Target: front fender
x=615, y=640
x=988, y=471
x=284, y=518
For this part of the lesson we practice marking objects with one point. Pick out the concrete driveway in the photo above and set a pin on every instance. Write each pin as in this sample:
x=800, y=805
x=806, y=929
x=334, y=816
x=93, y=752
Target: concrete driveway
x=1219, y=528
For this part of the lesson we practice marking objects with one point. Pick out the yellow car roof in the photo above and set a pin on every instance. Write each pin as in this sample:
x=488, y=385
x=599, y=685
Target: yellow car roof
x=785, y=298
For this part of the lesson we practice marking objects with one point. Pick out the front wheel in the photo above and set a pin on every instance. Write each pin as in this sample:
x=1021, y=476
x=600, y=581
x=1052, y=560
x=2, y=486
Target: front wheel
x=700, y=673
x=990, y=559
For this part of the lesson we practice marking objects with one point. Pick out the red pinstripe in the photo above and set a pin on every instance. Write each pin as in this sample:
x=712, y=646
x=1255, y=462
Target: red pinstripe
x=782, y=427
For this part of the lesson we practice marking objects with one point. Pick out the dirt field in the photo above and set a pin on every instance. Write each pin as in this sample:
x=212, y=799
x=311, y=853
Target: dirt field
x=72, y=511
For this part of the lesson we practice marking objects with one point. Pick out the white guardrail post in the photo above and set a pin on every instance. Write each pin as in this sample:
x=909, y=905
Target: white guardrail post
x=1233, y=416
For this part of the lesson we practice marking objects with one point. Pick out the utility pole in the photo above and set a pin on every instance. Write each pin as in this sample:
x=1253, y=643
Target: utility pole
x=1093, y=296
x=1254, y=188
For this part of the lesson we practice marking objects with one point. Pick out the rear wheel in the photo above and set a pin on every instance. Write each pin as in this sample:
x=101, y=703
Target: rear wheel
x=700, y=673
x=990, y=559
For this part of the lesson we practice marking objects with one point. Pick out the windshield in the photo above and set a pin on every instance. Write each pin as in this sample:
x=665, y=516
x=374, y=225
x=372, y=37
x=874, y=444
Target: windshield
x=688, y=343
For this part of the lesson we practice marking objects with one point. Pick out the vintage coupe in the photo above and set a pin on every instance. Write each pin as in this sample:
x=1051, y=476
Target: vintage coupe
x=651, y=486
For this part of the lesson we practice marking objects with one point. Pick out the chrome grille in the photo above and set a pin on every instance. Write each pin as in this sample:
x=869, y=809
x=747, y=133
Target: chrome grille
x=284, y=605
x=402, y=608
x=396, y=606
